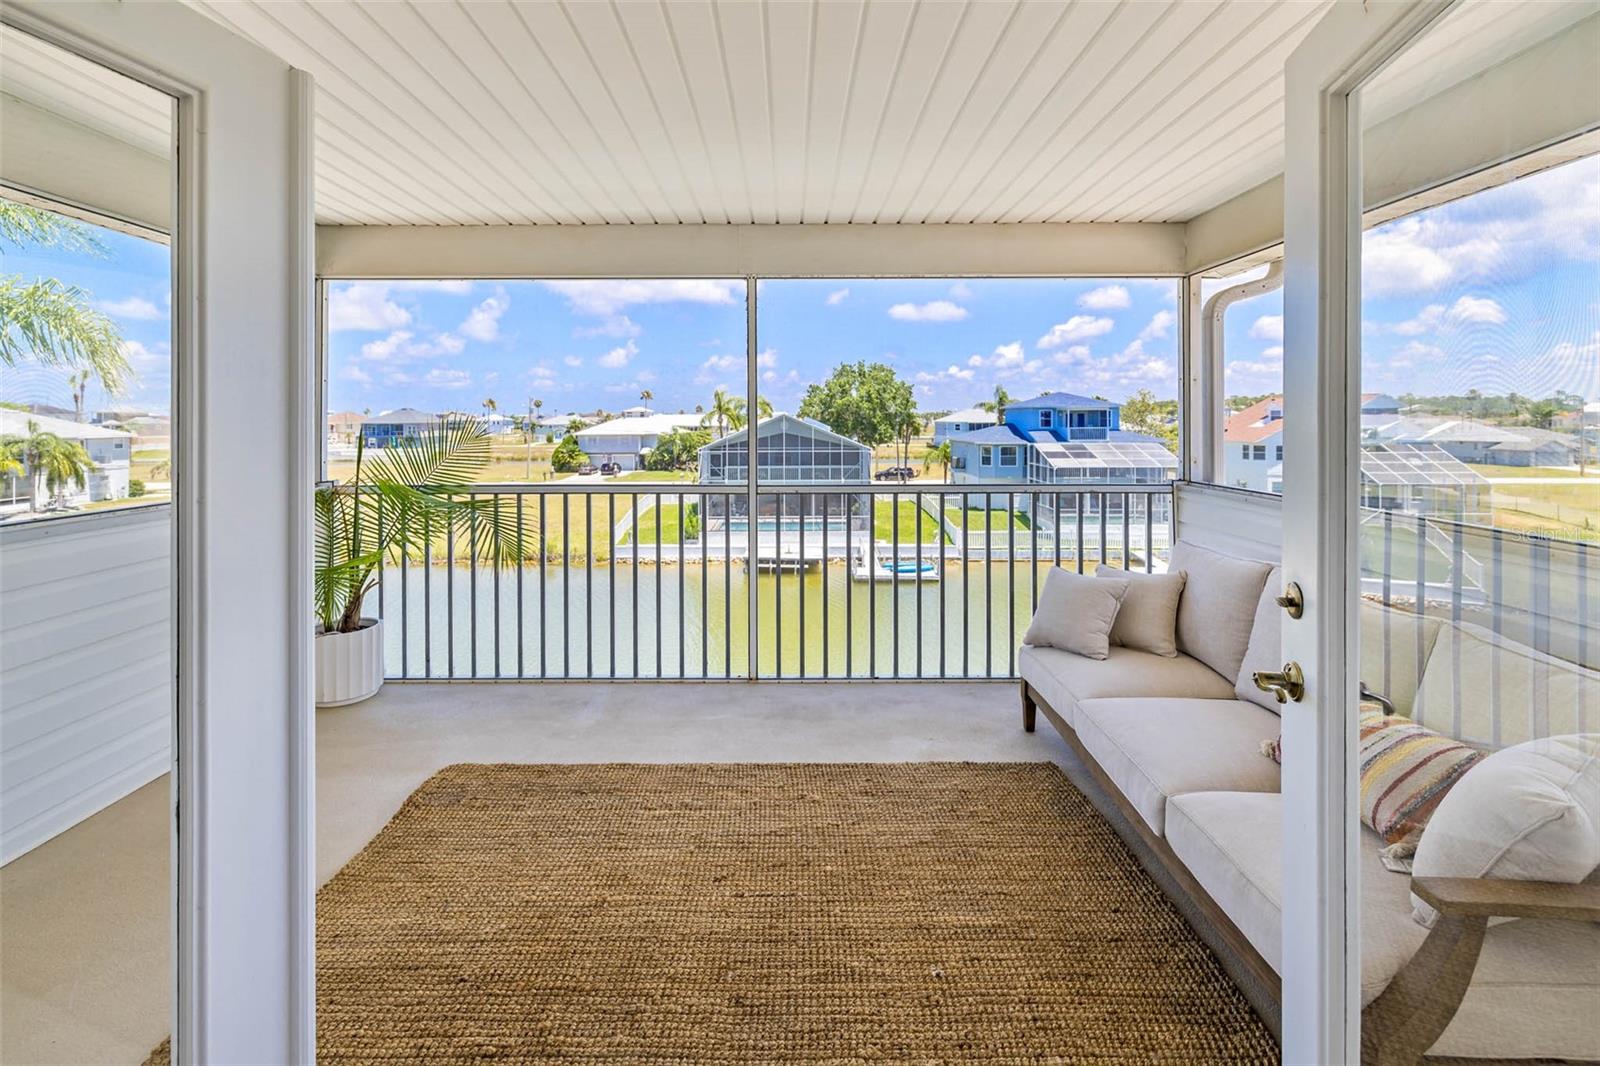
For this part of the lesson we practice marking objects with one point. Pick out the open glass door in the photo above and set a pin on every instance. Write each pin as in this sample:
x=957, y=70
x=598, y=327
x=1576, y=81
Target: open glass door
x=1442, y=220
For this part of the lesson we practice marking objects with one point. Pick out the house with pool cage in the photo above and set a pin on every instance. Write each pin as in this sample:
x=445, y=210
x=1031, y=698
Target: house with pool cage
x=1062, y=439
x=789, y=451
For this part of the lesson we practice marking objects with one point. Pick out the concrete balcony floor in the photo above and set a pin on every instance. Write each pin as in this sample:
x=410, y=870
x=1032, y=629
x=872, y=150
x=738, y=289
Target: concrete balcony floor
x=85, y=972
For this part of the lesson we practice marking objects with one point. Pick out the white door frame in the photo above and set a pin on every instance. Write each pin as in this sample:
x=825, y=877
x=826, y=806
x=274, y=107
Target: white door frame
x=245, y=454
x=1322, y=384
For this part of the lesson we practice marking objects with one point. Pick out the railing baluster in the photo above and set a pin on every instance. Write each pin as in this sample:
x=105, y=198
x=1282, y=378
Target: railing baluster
x=849, y=584
x=588, y=586
x=1033, y=552
x=1388, y=597
x=566, y=586
x=1495, y=622
x=916, y=516
x=472, y=582
x=427, y=594
x=872, y=586
x=727, y=585
x=1149, y=535
x=450, y=595
x=1105, y=556
x=497, y=569
x=826, y=647
x=637, y=528
x=894, y=583
x=522, y=564
x=1011, y=583
x=988, y=584
x=544, y=560
x=1079, y=499
x=611, y=584
x=659, y=516
x=801, y=634
x=1422, y=590
x=705, y=586
x=683, y=516
x=1127, y=563
x=966, y=591
x=943, y=583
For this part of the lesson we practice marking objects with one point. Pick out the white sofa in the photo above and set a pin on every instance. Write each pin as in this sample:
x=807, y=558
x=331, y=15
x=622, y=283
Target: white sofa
x=1178, y=751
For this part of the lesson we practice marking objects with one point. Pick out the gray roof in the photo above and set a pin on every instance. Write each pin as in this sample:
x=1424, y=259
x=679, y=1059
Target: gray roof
x=1060, y=399
x=1001, y=434
x=400, y=416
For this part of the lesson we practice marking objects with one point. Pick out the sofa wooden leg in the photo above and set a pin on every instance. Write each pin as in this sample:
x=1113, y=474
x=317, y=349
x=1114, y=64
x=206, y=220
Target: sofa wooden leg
x=1030, y=710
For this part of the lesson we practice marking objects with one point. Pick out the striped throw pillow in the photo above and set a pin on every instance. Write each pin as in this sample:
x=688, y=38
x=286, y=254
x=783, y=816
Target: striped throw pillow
x=1405, y=771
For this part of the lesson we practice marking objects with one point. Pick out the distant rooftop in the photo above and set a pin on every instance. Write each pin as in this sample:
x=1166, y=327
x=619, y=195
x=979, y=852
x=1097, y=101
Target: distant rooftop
x=1060, y=399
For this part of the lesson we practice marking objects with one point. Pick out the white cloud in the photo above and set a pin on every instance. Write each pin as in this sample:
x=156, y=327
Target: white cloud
x=961, y=291
x=1077, y=353
x=134, y=308
x=949, y=373
x=572, y=360
x=144, y=358
x=1106, y=298
x=354, y=373
x=722, y=363
x=400, y=347
x=767, y=357
x=837, y=297
x=1477, y=309
x=364, y=306
x=607, y=297
x=618, y=326
x=483, y=324
x=541, y=374
x=1267, y=328
x=441, y=378
x=1158, y=327
x=619, y=356
x=1076, y=328
x=935, y=311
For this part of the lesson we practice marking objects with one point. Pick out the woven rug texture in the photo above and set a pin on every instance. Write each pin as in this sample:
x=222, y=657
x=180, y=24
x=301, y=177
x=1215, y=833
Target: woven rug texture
x=824, y=913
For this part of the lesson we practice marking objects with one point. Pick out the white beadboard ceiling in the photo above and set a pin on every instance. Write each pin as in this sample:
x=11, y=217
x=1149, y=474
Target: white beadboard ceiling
x=669, y=111
x=489, y=112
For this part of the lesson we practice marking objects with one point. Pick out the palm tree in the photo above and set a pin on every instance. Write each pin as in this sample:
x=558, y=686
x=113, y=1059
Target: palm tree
x=79, y=383
x=489, y=406
x=939, y=454
x=645, y=396
x=45, y=458
x=763, y=407
x=726, y=412
x=47, y=320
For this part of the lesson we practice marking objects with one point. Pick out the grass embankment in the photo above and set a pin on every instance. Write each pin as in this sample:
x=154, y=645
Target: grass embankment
x=1540, y=499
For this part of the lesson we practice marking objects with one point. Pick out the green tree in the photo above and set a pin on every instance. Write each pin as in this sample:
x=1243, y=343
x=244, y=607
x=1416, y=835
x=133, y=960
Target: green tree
x=1002, y=400
x=568, y=456
x=48, y=320
x=47, y=461
x=678, y=450
x=1143, y=413
x=864, y=401
x=726, y=412
x=1543, y=412
x=939, y=453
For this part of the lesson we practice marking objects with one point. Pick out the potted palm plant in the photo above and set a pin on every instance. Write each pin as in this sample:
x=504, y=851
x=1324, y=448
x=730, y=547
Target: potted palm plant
x=410, y=493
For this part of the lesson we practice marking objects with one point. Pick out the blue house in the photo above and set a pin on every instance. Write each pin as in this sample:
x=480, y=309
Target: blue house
x=1059, y=439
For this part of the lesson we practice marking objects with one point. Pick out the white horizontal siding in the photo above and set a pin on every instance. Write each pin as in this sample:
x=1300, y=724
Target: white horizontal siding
x=1236, y=522
x=85, y=668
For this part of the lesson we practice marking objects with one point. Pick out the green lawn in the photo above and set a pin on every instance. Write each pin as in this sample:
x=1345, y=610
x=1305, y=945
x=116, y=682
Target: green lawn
x=980, y=518
x=662, y=522
x=886, y=517
x=1565, y=510
x=657, y=475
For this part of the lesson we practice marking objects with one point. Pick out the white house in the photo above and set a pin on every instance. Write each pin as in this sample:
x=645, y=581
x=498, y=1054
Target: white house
x=111, y=450
x=1252, y=444
x=625, y=440
x=956, y=423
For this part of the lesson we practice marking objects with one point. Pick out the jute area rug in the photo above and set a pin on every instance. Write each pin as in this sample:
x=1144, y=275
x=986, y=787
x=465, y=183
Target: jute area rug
x=917, y=912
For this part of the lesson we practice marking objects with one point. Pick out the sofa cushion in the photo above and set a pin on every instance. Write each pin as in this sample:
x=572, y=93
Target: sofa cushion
x=1492, y=691
x=1153, y=748
x=1395, y=646
x=1148, y=619
x=1535, y=987
x=1076, y=612
x=1526, y=813
x=1063, y=678
x=1406, y=771
x=1265, y=650
x=1218, y=605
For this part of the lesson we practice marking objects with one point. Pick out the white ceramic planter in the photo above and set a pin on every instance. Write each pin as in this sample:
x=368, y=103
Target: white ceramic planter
x=350, y=665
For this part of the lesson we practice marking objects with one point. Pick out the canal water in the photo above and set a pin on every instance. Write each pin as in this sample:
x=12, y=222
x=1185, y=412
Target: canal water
x=691, y=621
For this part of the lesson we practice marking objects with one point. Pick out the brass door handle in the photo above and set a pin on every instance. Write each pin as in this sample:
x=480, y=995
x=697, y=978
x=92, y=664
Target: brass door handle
x=1287, y=684
x=1293, y=600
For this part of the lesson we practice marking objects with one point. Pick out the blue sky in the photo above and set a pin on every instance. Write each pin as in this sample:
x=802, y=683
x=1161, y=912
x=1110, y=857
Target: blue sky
x=1499, y=291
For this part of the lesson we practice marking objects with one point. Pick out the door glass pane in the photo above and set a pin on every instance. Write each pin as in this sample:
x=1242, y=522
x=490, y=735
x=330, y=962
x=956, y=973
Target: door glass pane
x=1479, y=521
x=969, y=418
x=86, y=532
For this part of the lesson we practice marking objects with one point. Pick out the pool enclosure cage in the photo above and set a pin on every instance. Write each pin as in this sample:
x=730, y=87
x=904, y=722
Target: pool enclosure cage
x=789, y=451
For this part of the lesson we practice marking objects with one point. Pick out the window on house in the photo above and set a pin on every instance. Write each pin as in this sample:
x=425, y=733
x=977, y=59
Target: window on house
x=1258, y=451
x=1008, y=455
x=1277, y=453
x=1046, y=418
x=985, y=457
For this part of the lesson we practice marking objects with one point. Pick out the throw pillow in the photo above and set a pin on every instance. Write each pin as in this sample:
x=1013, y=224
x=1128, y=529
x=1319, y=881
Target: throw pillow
x=1265, y=650
x=1405, y=772
x=1148, y=619
x=1526, y=813
x=1218, y=607
x=1076, y=613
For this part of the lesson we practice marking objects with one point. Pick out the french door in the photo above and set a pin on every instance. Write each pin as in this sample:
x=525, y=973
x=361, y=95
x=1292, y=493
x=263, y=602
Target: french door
x=242, y=468
x=1424, y=290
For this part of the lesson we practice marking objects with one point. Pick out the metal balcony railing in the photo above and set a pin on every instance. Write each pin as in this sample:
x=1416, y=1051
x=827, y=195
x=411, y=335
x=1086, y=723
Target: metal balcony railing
x=635, y=581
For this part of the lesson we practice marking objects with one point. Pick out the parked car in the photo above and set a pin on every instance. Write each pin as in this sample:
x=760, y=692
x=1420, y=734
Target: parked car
x=587, y=469
x=607, y=469
x=895, y=473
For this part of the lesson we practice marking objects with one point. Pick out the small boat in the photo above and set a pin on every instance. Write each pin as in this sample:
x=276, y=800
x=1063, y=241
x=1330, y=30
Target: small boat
x=788, y=560
x=886, y=567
